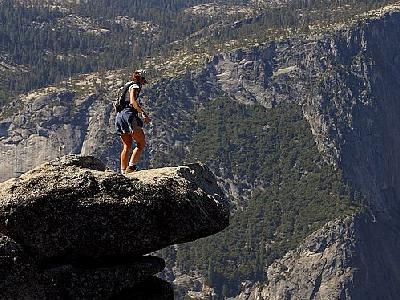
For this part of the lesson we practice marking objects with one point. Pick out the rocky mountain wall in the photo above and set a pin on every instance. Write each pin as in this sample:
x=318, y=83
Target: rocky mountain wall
x=346, y=83
x=353, y=114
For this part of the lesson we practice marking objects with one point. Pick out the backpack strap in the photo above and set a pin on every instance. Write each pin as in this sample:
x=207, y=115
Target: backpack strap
x=121, y=102
x=128, y=86
x=125, y=90
x=139, y=85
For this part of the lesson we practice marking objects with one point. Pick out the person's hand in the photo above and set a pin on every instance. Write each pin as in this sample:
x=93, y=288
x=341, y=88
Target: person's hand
x=147, y=119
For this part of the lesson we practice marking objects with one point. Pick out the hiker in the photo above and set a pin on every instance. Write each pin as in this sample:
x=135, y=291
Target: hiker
x=129, y=125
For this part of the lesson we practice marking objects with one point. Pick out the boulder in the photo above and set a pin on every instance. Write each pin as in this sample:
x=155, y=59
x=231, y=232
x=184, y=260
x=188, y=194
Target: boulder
x=70, y=229
x=73, y=208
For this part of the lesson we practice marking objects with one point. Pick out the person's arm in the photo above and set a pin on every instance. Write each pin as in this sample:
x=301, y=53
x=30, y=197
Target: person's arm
x=133, y=100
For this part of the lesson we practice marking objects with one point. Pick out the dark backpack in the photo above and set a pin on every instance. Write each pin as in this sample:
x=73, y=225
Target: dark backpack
x=120, y=104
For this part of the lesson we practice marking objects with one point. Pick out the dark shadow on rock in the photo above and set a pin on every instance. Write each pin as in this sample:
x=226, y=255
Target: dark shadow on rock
x=153, y=288
x=71, y=230
x=98, y=262
x=91, y=282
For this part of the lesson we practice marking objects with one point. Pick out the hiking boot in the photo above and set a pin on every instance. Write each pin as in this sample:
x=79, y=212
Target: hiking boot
x=130, y=169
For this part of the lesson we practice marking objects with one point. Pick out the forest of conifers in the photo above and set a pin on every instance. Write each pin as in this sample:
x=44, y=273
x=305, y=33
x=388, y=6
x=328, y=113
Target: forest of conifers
x=35, y=38
x=47, y=50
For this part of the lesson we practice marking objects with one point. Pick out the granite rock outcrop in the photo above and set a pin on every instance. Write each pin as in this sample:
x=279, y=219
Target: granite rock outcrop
x=346, y=82
x=72, y=229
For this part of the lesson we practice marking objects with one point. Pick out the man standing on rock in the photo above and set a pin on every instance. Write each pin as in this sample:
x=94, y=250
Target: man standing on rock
x=129, y=125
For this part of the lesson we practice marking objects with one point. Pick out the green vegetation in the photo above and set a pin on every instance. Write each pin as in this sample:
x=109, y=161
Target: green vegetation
x=32, y=39
x=273, y=150
x=295, y=194
x=41, y=38
x=50, y=49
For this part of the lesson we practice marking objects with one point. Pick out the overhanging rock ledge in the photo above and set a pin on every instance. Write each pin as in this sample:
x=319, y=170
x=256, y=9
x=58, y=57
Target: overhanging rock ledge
x=73, y=219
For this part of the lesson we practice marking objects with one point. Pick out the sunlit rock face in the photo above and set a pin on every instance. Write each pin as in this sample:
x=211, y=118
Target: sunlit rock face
x=70, y=228
x=346, y=82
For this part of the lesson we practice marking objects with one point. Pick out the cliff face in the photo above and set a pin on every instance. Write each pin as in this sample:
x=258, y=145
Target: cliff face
x=352, y=104
x=48, y=124
x=345, y=81
x=321, y=268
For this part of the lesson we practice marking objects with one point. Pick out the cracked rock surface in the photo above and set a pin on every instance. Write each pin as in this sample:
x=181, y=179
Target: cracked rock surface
x=71, y=229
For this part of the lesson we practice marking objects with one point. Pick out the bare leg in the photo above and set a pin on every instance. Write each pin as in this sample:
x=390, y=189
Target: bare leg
x=140, y=140
x=126, y=140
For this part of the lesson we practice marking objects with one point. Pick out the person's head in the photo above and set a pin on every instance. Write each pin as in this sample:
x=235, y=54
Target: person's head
x=138, y=75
